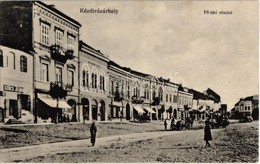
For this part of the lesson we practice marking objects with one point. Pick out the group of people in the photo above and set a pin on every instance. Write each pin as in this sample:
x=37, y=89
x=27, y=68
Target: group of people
x=207, y=132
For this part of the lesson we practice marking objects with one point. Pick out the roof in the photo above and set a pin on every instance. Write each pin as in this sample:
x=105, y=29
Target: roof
x=197, y=95
x=59, y=12
x=211, y=93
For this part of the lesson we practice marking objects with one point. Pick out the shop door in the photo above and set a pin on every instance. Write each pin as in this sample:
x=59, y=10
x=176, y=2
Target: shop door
x=1, y=115
x=13, y=109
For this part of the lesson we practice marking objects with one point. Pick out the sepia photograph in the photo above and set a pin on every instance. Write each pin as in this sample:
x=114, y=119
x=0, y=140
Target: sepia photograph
x=137, y=81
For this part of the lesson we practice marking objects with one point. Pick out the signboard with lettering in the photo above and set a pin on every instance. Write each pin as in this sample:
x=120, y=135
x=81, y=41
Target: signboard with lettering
x=12, y=88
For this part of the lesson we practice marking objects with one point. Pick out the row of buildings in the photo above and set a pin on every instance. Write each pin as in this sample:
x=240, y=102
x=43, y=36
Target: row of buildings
x=40, y=45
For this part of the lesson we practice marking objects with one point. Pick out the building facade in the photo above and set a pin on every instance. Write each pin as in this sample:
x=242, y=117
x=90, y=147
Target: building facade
x=16, y=93
x=94, y=102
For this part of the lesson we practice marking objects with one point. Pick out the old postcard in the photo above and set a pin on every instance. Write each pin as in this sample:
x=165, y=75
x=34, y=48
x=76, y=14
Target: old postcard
x=129, y=81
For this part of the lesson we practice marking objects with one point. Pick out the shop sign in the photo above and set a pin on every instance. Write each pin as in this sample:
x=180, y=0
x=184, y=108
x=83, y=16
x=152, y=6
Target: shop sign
x=13, y=88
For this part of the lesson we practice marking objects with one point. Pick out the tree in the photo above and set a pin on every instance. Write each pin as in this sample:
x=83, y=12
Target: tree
x=57, y=92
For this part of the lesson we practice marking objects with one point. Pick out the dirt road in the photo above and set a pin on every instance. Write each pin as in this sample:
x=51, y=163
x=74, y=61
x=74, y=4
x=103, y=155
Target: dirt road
x=237, y=143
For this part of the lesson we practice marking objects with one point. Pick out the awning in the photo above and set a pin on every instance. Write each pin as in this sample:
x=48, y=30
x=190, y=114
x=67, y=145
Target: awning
x=118, y=104
x=139, y=109
x=149, y=109
x=53, y=103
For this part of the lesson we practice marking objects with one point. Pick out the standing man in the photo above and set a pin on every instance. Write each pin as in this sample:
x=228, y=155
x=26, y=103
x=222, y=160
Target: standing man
x=93, y=131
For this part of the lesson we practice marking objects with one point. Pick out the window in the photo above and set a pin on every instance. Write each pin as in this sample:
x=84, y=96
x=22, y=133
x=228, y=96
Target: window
x=122, y=88
x=1, y=58
x=248, y=108
x=59, y=36
x=170, y=98
x=153, y=94
x=58, y=74
x=23, y=63
x=128, y=89
x=166, y=97
x=112, y=87
x=44, y=72
x=71, y=78
x=175, y=99
x=85, y=76
x=14, y=59
x=45, y=34
x=94, y=80
x=102, y=83
x=70, y=43
x=161, y=95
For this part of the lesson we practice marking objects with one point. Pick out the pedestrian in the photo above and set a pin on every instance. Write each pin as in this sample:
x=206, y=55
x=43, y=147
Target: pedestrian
x=93, y=131
x=165, y=124
x=207, y=134
x=121, y=115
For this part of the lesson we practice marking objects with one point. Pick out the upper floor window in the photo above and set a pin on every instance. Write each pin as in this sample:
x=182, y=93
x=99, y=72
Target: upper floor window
x=45, y=34
x=23, y=63
x=112, y=87
x=1, y=58
x=59, y=36
x=44, y=72
x=71, y=78
x=166, y=97
x=94, y=80
x=102, y=83
x=71, y=43
x=58, y=74
x=128, y=89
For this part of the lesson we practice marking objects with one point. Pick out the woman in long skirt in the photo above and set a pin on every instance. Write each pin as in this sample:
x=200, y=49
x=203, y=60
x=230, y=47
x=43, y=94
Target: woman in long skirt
x=93, y=131
x=207, y=134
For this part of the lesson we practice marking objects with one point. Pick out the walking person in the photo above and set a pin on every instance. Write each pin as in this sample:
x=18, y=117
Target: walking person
x=93, y=131
x=165, y=124
x=207, y=134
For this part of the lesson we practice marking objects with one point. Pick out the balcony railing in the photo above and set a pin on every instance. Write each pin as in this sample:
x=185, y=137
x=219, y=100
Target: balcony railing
x=57, y=54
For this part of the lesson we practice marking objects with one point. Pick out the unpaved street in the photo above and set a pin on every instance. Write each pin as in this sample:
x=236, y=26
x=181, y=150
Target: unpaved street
x=236, y=143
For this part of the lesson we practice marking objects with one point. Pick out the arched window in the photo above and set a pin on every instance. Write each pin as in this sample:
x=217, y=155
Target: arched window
x=23, y=63
x=85, y=76
x=161, y=94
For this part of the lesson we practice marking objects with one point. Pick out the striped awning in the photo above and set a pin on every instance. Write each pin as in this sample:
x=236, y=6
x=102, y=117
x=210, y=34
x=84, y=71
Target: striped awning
x=53, y=103
x=149, y=109
x=139, y=109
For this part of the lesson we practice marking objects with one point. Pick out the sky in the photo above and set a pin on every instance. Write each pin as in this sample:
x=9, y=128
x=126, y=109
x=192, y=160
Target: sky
x=176, y=40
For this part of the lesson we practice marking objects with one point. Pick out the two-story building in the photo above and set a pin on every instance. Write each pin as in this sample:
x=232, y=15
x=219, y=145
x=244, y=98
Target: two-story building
x=94, y=103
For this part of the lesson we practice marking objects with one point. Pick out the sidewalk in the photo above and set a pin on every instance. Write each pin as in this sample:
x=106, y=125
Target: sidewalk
x=28, y=152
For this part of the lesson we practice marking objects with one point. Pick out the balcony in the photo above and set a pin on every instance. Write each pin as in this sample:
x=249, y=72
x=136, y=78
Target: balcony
x=57, y=54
